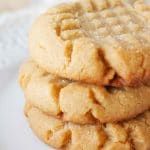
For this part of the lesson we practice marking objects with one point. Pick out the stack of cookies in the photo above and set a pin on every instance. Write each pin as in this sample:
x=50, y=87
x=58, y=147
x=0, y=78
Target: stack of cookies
x=87, y=81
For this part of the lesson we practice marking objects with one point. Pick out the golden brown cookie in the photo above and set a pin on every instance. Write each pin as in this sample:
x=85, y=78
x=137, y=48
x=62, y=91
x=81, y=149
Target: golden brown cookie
x=129, y=135
x=79, y=102
x=95, y=41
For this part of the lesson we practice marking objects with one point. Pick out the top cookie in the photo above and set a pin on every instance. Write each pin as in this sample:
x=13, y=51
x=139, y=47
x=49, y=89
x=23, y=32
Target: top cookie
x=105, y=42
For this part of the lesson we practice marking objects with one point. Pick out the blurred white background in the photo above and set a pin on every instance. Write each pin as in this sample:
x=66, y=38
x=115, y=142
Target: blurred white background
x=7, y=5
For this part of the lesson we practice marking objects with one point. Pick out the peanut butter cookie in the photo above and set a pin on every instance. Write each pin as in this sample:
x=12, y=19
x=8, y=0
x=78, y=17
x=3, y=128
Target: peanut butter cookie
x=105, y=42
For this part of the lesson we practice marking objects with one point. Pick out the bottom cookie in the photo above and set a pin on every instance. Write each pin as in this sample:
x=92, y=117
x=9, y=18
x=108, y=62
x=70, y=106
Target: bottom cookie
x=130, y=135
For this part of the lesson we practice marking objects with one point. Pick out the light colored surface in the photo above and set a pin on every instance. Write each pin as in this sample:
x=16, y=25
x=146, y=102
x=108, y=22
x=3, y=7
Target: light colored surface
x=14, y=131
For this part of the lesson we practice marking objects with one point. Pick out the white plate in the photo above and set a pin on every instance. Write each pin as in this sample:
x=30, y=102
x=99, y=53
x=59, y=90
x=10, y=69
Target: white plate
x=15, y=133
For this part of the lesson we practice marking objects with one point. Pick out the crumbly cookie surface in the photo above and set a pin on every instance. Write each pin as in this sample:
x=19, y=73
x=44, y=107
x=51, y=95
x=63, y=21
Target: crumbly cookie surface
x=97, y=41
x=78, y=102
x=133, y=134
